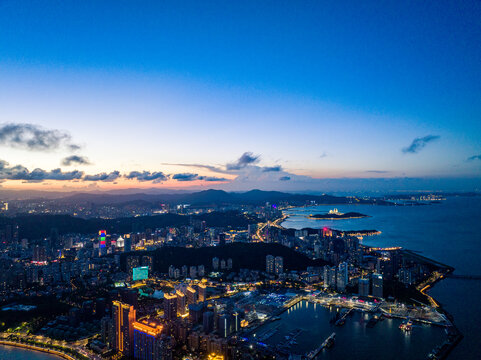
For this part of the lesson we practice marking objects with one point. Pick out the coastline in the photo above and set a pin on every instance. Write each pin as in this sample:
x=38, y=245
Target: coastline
x=55, y=353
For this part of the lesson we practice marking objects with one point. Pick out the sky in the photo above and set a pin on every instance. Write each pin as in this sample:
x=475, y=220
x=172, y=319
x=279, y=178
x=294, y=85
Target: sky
x=235, y=95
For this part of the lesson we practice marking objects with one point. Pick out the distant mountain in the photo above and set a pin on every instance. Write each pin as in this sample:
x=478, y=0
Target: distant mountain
x=219, y=197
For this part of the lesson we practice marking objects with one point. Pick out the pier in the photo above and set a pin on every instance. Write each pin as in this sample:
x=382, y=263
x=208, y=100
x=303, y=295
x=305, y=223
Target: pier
x=312, y=354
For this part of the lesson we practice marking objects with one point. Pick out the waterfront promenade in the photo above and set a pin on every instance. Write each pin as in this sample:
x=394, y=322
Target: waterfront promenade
x=37, y=348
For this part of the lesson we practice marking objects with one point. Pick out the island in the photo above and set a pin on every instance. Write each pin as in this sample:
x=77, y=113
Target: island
x=336, y=215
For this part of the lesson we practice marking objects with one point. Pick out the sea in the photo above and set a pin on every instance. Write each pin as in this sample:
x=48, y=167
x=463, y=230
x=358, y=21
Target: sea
x=13, y=353
x=448, y=231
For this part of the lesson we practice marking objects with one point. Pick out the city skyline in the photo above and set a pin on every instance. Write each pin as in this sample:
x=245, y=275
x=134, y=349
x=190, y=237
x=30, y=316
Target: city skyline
x=167, y=97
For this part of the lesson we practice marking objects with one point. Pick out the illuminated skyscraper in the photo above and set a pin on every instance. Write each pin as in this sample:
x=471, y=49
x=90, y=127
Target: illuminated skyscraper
x=147, y=340
x=102, y=238
x=123, y=316
x=170, y=306
x=342, y=276
x=377, y=285
x=191, y=295
x=181, y=303
x=202, y=292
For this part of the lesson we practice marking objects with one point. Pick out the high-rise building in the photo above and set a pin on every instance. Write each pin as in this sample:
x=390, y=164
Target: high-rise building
x=208, y=322
x=406, y=276
x=215, y=263
x=148, y=261
x=200, y=270
x=181, y=303
x=132, y=262
x=191, y=295
x=342, y=276
x=171, y=271
x=269, y=264
x=147, y=340
x=202, y=292
x=364, y=287
x=170, y=306
x=279, y=265
x=229, y=264
x=102, y=238
x=193, y=272
x=123, y=316
x=127, y=244
x=39, y=254
x=223, y=325
x=377, y=285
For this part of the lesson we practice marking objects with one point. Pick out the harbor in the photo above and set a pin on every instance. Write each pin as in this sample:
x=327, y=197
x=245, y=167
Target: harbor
x=336, y=331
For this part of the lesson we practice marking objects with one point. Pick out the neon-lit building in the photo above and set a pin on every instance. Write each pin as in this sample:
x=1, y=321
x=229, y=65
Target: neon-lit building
x=140, y=273
x=123, y=316
x=102, y=238
x=148, y=344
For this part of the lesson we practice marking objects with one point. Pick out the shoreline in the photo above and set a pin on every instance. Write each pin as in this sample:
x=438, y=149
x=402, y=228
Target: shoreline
x=56, y=353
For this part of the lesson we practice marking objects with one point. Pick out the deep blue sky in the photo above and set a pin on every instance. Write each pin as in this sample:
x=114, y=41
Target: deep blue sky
x=335, y=72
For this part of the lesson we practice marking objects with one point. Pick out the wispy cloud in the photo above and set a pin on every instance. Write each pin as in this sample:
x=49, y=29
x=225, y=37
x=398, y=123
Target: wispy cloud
x=285, y=178
x=474, y=157
x=33, y=137
x=246, y=158
x=201, y=166
x=105, y=177
x=419, y=143
x=323, y=155
x=192, y=177
x=75, y=160
x=377, y=171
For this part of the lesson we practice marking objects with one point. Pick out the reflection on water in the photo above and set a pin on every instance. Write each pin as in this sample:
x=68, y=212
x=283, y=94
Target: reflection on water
x=353, y=340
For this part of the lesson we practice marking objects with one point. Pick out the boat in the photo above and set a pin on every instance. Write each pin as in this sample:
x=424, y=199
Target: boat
x=406, y=325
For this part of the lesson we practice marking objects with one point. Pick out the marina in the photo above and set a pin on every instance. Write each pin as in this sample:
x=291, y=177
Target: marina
x=333, y=340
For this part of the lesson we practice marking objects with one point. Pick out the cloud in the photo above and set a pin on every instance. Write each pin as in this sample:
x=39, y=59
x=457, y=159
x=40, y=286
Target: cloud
x=114, y=175
x=33, y=137
x=247, y=158
x=323, y=155
x=155, y=176
x=419, y=143
x=202, y=166
x=185, y=177
x=474, y=157
x=276, y=168
x=75, y=159
x=212, y=178
x=19, y=172
x=192, y=177
x=285, y=178
x=377, y=171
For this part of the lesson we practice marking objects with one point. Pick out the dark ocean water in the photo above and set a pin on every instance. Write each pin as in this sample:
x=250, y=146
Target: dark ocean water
x=449, y=232
x=13, y=353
